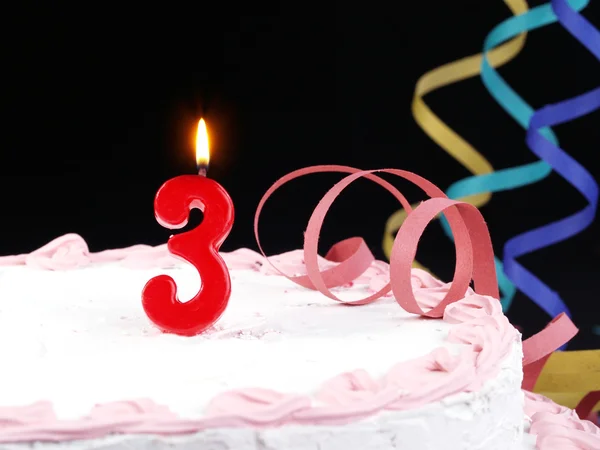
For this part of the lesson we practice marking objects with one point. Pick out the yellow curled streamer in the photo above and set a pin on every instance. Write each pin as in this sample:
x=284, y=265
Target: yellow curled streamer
x=568, y=376
x=444, y=136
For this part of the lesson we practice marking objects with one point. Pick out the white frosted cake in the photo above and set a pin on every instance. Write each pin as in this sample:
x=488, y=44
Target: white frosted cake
x=285, y=368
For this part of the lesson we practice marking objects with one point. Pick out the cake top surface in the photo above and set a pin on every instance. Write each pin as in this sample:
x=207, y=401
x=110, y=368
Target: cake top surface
x=78, y=337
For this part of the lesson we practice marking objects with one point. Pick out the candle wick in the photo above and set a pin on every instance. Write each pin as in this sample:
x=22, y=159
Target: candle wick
x=203, y=170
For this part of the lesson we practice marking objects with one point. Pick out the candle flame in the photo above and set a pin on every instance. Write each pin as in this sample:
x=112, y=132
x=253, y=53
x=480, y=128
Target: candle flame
x=202, y=152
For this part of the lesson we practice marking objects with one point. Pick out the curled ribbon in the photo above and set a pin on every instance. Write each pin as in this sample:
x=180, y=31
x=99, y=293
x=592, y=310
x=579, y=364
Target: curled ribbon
x=448, y=139
x=474, y=259
x=474, y=254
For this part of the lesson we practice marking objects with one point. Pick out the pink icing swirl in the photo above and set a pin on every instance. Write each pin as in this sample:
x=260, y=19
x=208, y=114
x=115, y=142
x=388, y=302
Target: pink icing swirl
x=137, y=408
x=431, y=290
x=557, y=427
x=255, y=407
x=71, y=251
x=24, y=416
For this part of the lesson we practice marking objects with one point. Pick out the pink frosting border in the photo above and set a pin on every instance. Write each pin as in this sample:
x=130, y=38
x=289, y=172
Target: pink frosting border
x=557, y=427
x=479, y=323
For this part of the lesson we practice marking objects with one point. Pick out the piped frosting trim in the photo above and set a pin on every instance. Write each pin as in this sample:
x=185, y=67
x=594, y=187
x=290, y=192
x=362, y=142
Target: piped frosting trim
x=557, y=427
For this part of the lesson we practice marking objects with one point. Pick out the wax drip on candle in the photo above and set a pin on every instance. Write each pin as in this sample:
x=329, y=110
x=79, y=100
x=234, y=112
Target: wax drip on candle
x=202, y=145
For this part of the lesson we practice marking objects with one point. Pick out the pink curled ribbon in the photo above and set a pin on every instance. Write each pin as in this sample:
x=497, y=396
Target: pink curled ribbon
x=353, y=255
x=587, y=403
x=474, y=256
x=538, y=348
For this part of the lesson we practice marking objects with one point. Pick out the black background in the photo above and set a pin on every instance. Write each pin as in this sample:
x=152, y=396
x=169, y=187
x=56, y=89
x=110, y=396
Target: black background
x=101, y=105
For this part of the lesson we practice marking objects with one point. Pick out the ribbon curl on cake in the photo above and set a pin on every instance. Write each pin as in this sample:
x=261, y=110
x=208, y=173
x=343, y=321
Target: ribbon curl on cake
x=465, y=220
x=448, y=139
x=474, y=259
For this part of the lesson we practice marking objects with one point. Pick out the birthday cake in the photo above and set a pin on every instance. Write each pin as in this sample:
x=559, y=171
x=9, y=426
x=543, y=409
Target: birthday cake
x=284, y=367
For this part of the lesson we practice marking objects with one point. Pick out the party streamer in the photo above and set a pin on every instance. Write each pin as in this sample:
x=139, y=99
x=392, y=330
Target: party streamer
x=564, y=165
x=561, y=379
x=529, y=173
x=507, y=178
x=516, y=177
x=588, y=36
x=449, y=140
x=569, y=376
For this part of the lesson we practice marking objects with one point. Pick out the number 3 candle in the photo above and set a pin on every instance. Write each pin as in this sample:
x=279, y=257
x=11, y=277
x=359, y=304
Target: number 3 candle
x=200, y=247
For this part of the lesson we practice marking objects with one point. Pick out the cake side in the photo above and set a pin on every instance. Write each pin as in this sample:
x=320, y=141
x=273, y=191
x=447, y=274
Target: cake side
x=481, y=420
x=461, y=373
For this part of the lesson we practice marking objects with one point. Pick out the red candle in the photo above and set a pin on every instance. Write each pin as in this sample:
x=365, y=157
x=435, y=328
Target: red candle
x=200, y=247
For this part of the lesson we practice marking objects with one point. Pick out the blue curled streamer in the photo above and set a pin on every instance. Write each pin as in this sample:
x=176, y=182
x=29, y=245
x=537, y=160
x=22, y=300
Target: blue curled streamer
x=514, y=177
x=571, y=171
x=591, y=39
x=564, y=165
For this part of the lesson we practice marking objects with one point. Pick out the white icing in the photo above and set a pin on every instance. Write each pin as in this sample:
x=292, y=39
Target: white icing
x=80, y=337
